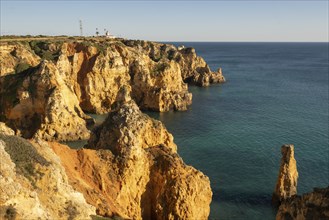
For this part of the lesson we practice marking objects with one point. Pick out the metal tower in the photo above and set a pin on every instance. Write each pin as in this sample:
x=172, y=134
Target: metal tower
x=81, y=33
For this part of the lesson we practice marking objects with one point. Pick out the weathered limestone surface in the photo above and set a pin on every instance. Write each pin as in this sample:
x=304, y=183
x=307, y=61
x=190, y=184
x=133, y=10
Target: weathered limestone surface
x=286, y=185
x=194, y=69
x=309, y=206
x=14, y=57
x=142, y=174
x=97, y=74
x=33, y=184
x=4, y=129
x=37, y=102
x=65, y=79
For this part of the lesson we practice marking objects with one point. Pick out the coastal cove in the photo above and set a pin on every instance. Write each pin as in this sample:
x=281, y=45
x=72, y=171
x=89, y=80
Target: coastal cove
x=275, y=93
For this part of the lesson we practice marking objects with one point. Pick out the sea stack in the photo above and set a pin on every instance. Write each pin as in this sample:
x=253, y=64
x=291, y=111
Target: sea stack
x=286, y=185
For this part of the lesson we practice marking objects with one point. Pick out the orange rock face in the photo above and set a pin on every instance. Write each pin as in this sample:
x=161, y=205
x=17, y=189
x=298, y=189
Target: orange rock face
x=34, y=184
x=135, y=172
x=92, y=173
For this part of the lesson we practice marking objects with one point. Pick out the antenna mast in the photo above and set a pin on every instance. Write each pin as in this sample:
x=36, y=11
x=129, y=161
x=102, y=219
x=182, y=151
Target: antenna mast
x=80, y=22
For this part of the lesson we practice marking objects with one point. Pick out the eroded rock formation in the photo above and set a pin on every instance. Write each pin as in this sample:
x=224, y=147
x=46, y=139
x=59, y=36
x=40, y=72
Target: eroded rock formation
x=4, y=129
x=137, y=170
x=16, y=57
x=34, y=185
x=309, y=206
x=37, y=102
x=98, y=74
x=66, y=79
x=193, y=68
x=286, y=185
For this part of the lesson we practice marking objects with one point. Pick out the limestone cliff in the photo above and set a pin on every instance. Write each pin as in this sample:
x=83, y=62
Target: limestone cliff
x=131, y=169
x=37, y=102
x=16, y=57
x=86, y=76
x=142, y=176
x=310, y=206
x=193, y=68
x=33, y=184
x=286, y=186
x=98, y=71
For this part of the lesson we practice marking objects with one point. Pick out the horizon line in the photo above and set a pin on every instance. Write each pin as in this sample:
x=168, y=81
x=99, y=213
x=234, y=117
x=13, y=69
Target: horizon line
x=178, y=41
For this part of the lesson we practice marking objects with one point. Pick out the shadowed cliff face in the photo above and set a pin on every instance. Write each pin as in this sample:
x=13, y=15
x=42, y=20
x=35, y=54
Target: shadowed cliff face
x=313, y=205
x=37, y=102
x=15, y=58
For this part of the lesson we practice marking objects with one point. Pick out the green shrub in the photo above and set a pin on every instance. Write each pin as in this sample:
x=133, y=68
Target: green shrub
x=41, y=48
x=159, y=68
x=10, y=212
x=22, y=67
x=23, y=154
x=71, y=210
x=11, y=83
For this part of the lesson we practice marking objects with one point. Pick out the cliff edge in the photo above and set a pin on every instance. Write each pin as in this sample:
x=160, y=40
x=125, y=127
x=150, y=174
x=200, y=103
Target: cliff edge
x=42, y=81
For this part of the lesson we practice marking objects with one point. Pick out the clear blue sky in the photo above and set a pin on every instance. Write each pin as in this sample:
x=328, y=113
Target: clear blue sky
x=171, y=20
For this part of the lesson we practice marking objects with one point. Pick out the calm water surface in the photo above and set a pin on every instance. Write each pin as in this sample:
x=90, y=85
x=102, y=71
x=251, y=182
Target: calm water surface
x=276, y=93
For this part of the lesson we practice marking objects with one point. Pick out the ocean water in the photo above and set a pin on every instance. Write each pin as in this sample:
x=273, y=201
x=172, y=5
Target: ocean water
x=275, y=94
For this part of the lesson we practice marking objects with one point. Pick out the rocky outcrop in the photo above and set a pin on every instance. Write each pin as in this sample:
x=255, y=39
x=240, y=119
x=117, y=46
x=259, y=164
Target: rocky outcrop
x=193, y=68
x=86, y=76
x=159, y=86
x=98, y=71
x=310, y=206
x=125, y=127
x=37, y=102
x=137, y=170
x=16, y=57
x=4, y=129
x=286, y=185
x=33, y=184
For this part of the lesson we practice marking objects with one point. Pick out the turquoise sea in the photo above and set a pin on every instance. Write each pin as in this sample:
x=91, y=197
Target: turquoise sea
x=276, y=93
